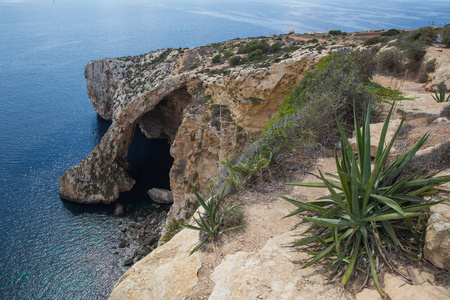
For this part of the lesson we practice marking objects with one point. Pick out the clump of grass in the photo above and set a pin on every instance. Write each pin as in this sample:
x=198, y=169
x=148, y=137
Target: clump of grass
x=214, y=220
x=370, y=210
x=439, y=98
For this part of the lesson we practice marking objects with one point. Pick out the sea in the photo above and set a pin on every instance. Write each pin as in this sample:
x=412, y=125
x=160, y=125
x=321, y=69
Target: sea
x=54, y=249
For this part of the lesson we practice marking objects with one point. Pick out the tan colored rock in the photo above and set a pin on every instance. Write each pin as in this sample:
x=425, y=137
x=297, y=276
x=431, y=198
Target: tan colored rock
x=160, y=195
x=437, y=241
x=271, y=273
x=397, y=289
x=375, y=133
x=368, y=294
x=166, y=273
x=442, y=68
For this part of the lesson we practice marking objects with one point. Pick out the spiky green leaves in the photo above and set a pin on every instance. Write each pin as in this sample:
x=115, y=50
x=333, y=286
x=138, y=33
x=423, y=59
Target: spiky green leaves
x=366, y=203
x=211, y=222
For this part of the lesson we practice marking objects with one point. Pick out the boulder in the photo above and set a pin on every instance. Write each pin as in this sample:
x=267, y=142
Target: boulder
x=169, y=272
x=160, y=195
x=119, y=210
x=437, y=241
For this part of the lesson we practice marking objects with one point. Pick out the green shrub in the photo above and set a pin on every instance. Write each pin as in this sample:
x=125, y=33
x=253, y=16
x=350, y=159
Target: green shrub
x=335, y=32
x=373, y=40
x=227, y=54
x=235, y=60
x=253, y=46
x=336, y=83
x=255, y=54
x=212, y=222
x=216, y=59
x=414, y=50
x=391, y=62
x=194, y=66
x=441, y=96
x=369, y=211
x=275, y=48
x=445, y=34
x=391, y=32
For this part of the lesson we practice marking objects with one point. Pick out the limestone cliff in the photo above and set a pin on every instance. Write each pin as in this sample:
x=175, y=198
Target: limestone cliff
x=206, y=110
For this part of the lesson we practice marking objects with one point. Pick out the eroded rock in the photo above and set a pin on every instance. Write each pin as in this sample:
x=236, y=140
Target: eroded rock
x=160, y=195
x=437, y=241
x=166, y=273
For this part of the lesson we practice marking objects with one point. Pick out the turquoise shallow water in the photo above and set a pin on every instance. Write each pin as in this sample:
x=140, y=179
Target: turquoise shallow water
x=53, y=249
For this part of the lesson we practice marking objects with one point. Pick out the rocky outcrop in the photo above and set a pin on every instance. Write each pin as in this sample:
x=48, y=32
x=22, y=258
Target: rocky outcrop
x=437, y=241
x=167, y=273
x=207, y=111
x=271, y=274
x=160, y=195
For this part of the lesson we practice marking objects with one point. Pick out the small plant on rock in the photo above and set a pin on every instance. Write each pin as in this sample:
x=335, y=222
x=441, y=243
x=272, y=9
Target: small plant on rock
x=212, y=222
x=441, y=96
x=371, y=210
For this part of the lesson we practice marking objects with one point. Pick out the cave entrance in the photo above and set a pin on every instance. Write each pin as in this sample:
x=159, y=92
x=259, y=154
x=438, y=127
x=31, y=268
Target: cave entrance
x=149, y=160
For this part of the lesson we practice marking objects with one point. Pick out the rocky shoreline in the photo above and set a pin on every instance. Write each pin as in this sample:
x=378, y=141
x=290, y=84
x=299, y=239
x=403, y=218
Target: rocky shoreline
x=140, y=233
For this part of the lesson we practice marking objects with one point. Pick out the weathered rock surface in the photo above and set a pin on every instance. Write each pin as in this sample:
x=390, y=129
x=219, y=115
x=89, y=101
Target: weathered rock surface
x=397, y=289
x=167, y=273
x=375, y=133
x=437, y=241
x=205, y=114
x=271, y=274
x=441, y=74
x=160, y=195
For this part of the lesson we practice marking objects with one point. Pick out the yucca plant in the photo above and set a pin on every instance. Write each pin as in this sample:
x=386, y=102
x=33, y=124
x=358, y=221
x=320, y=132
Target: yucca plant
x=369, y=209
x=211, y=222
x=441, y=96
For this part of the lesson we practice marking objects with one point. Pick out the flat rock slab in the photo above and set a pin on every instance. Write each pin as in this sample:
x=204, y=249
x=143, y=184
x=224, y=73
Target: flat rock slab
x=166, y=273
x=271, y=273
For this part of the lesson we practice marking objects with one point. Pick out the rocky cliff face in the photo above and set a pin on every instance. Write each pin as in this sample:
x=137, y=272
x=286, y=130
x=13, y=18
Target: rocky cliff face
x=207, y=111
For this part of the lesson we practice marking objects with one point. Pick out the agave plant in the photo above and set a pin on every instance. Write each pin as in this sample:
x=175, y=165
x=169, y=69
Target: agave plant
x=441, y=96
x=211, y=222
x=369, y=209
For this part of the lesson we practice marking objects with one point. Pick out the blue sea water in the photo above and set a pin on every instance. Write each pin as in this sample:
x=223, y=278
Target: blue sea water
x=53, y=249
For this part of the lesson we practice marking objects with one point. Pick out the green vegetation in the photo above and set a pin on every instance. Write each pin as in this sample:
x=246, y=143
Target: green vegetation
x=369, y=212
x=255, y=54
x=253, y=46
x=194, y=66
x=336, y=32
x=445, y=34
x=441, y=96
x=336, y=83
x=386, y=93
x=391, y=32
x=235, y=60
x=414, y=43
x=216, y=59
x=212, y=222
x=373, y=40
x=227, y=54
x=275, y=48
x=173, y=227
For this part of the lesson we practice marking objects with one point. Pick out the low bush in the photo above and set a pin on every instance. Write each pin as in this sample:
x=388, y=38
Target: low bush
x=390, y=62
x=253, y=46
x=307, y=114
x=275, y=48
x=227, y=54
x=212, y=222
x=216, y=59
x=445, y=34
x=391, y=32
x=370, y=211
x=235, y=60
x=255, y=54
x=372, y=41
